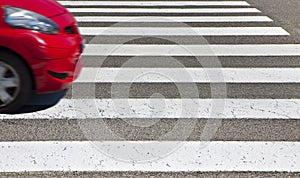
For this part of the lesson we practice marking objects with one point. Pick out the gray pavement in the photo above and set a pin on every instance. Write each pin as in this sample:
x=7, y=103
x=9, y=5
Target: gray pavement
x=171, y=90
x=72, y=130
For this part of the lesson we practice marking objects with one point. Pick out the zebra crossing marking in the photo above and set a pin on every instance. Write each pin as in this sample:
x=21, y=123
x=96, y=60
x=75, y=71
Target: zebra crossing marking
x=189, y=75
x=192, y=50
x=146, y=19
x=164, y=10
x=167, y=108
x=212, y=156
x=184, y=31
x=154, y=3
x=131, y=156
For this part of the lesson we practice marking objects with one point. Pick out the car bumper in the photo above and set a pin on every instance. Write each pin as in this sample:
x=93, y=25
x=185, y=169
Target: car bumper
x=56, y=68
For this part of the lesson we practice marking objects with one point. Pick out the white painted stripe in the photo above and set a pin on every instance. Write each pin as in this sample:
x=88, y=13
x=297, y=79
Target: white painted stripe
x=189, y=75
x=160, y=156
x=193, y=50
x=173, y=19
x=165, y=10
x=154, y=3
x=184, y=31
x=168, y=108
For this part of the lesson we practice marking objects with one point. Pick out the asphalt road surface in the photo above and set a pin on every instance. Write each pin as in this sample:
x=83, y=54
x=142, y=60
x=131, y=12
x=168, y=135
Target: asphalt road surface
x=171, y=88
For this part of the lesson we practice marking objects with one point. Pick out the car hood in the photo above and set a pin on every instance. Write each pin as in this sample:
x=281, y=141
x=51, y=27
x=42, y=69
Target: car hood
x=48, y=8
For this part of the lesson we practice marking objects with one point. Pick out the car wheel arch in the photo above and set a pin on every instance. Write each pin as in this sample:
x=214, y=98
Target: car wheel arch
x=7, y=50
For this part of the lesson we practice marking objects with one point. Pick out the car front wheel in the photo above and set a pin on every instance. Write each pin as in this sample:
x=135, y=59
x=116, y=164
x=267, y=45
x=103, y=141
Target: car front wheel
x=15, y=83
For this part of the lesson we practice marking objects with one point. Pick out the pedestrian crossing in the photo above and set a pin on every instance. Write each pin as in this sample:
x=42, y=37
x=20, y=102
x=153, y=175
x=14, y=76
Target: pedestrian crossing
x=163, y=11
x=154, y=3
x=168, y=108
x=139, y=103
x=63, y=155
x=169, y=19
x=189, y=75
x=193, y=50
x=180, y=31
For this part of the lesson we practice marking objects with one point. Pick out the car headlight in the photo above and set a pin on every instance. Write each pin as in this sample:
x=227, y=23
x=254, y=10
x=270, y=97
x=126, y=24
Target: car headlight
x=21, y=18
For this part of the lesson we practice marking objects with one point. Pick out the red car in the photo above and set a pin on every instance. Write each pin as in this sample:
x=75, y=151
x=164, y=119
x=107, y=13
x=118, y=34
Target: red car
x=40, y=49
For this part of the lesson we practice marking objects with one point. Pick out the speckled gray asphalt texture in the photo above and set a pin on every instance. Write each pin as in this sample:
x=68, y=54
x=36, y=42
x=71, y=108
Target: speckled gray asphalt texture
x=285, y=13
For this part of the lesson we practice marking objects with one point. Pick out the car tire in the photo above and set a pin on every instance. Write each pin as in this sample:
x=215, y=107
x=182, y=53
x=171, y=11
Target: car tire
x=15, y=83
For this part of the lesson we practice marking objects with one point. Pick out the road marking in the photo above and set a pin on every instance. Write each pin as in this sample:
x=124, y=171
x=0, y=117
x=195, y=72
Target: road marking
x=164, y=10
x=173, y=19
x=192, y=50
x=184, y=31
x=131, y=156
x=189, y=75
x=154, y=3
x=168, y=108
x=209, y=156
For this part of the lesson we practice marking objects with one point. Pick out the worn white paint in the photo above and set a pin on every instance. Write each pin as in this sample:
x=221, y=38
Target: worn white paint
x=173, y=19
x=154, y=3
x=184, y=31
x=168, y=108
x=163, y=156
x=189, y=75
x=192, y=50
x=165, y=10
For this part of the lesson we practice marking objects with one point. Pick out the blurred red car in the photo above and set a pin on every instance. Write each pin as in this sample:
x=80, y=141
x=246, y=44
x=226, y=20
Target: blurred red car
x=40, y=49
